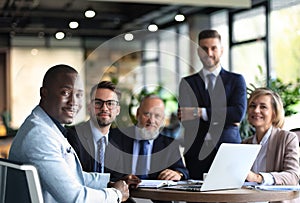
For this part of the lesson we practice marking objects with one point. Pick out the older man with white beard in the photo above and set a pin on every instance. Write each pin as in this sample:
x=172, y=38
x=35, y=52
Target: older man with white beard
x=142, y=150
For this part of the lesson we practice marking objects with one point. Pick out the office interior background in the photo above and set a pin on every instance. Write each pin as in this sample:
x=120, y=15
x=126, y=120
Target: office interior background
x=261, y=40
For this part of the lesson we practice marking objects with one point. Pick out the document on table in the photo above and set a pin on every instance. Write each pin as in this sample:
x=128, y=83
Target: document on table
x=278, y=187
x=156, y=183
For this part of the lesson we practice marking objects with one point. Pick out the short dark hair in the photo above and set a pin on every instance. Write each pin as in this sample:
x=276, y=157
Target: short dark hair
x=51, y=74
x=209, y=34
x=105, y=85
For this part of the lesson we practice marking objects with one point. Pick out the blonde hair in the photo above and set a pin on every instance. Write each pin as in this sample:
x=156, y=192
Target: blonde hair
x=276, y=103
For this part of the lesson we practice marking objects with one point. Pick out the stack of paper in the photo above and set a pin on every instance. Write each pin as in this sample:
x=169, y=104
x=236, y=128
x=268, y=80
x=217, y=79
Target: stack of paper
x=278, y=187
x=156, y=183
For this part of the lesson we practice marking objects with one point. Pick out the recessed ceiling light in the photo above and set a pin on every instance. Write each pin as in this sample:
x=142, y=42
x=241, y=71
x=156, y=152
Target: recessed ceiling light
x=60, y=35
x=73, y=24
x=89, y=13
x=128, y=37
x=152, y=27
x=179, y=17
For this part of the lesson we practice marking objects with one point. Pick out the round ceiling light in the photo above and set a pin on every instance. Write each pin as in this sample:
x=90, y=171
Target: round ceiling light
x=73, y=24
x=179, y=17
x=89, y=13
x=152, y=27
x=59, y=35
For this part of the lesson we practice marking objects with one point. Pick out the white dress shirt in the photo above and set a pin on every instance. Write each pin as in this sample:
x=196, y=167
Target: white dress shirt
x=260, y=163
x=216, y=73
x=97, y=135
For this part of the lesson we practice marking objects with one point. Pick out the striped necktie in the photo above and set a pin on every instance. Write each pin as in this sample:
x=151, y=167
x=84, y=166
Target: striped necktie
x=100, y=154
x=210, y=84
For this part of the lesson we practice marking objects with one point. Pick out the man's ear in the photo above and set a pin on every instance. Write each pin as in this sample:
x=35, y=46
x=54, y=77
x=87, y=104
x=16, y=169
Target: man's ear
x=90, y=107
x=137, y=112
x=222, y=50
x=118, y=110
x=43, y=92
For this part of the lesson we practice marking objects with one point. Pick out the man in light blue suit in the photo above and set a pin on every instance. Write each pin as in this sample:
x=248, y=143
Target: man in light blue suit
x=41, y=142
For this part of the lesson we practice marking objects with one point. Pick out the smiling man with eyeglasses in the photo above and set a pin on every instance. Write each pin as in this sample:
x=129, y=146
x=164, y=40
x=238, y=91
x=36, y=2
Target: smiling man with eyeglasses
x=89, y=139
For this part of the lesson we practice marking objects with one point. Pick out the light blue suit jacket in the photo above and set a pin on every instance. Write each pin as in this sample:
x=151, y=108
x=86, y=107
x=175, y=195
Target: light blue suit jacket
x=39, y=142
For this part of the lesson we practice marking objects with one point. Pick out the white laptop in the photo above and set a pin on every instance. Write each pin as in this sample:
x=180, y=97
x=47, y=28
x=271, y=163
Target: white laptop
x=228, y=170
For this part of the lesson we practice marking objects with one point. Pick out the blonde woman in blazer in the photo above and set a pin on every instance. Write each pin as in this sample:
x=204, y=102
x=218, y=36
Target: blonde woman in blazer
x=278, y=160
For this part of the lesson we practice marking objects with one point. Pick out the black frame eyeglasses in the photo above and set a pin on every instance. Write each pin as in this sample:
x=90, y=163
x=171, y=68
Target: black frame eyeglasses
x=110, y=104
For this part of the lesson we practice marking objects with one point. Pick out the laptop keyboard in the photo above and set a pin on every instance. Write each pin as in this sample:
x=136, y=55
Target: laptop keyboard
x=191, y=188
x=196, y=188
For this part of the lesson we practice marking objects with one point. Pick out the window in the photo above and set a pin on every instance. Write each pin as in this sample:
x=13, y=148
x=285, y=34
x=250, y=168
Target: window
x=249, y=25
x=248, y=40
x=246, y=60
x=285, y=41
x=219, y=22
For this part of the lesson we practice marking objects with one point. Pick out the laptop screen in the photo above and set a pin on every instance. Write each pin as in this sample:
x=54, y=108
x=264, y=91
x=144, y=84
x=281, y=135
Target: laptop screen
x=229, y=169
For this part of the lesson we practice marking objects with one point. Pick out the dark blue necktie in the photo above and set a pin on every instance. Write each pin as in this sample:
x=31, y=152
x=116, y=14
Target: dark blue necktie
x=141, y=167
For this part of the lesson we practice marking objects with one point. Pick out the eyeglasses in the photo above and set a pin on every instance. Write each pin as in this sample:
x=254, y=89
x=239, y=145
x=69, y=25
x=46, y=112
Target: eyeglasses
x=110, y=104
x=157, y=116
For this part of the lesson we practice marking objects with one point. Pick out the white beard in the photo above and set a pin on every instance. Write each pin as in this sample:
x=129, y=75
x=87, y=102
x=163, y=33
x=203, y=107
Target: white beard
x=147, y=134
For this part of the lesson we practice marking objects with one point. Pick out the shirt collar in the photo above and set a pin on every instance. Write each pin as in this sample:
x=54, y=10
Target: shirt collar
x=216, y=72
x=61, y=128
x=264, y=139
x=97, y=133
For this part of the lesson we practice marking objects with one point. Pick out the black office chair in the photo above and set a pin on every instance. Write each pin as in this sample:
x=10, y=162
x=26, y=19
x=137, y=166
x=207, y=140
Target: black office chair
x=19, y=183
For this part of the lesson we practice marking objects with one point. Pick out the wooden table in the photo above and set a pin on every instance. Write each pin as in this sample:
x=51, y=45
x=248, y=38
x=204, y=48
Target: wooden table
x=235, y=195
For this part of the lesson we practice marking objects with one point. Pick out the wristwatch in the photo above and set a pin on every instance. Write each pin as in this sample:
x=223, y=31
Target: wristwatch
x=179, y=173
x=195, y=112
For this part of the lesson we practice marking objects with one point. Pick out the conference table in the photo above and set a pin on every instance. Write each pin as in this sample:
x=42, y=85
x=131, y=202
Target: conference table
x=233, y=195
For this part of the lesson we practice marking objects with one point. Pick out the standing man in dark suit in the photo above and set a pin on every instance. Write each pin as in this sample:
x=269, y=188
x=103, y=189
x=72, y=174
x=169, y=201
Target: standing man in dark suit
x=212, y=104
x=163, y=158
x=103, y=109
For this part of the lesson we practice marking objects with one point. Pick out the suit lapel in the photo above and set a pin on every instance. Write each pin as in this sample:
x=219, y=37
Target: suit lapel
x=158, y=144
x=127, y=146
x=87, y=137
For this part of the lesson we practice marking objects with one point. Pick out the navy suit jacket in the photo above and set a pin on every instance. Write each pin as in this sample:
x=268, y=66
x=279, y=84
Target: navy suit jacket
x=225, y=107
x=165, y=154
x=81, y=139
